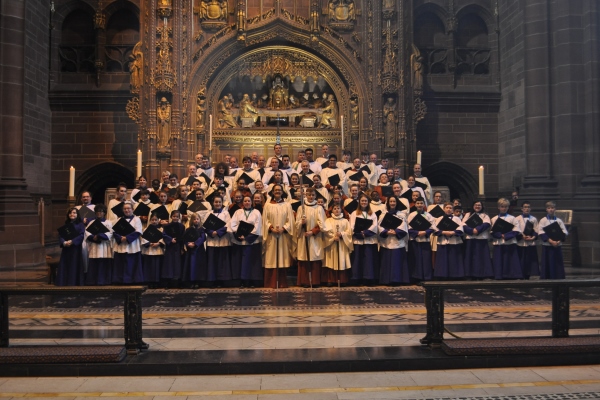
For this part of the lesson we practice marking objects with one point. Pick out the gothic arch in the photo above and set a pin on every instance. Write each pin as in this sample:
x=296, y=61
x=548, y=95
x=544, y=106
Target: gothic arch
x=481, y=11
x=461, y=182
x=432, y=8
x=221, y=52
x=119, y=5
x=101, y=176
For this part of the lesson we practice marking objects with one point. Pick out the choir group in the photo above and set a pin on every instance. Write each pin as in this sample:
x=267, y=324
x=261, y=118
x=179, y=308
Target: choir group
x=347, y=222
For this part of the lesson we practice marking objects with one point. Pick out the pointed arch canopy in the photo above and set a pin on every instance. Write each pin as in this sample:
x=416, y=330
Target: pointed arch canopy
x=220, y=60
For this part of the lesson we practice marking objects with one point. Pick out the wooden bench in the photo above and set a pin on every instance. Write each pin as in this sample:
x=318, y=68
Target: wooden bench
x=132, y=309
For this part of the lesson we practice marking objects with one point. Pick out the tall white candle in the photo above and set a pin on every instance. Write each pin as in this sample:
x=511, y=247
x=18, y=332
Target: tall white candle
x=419, y=157
x=210, y=132
x=139, y=163
x=342, y=126
x=72, y=182
x=481, y=181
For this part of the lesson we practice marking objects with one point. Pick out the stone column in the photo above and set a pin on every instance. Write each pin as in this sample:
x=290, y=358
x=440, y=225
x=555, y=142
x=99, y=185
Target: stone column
x=19, y=226
x=538, y=125
x=591, y=56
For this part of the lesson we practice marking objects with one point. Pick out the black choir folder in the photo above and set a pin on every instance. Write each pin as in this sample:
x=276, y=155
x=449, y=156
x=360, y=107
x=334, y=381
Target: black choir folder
x=96, y=228
x=407, y=194
x=154, y=198
x=161, y=212
x=437, y=211
x=307, y=181
x=190, y=235
x=362, y=224
x=356, y=177
x=152, y=234
x=502, y=226
x=420, y=185
x=387, y=191
x=210, y=199
x=555, y=232
x=351, y=206
x=118, y=210
x=474, y=221
x=85, y=213
x=123, y=227
x=213, y=222
x=447, y=224
x=141, y=210
x=419, y=223
x=174, y=230
x=68, y=232
x=244, y=229
x=528, y=230
x=334, y=180
x=246, y=178
x=390, y=222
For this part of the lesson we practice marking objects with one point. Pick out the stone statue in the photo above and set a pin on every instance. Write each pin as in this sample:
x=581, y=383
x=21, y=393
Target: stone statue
x=416, y=62
x=330, y=113
x=354, y=112
x=388, y=4
x=163, y=114
x=136, y=67
x=390, y=121
x=226, y=119
x=247, y=110
x=200, y=112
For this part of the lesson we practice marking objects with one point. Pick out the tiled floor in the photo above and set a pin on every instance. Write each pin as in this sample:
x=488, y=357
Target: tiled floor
x=295, y=319
x=548, y=383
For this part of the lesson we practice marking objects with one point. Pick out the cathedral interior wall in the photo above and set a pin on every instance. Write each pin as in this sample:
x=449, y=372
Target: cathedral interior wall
x=475, y=93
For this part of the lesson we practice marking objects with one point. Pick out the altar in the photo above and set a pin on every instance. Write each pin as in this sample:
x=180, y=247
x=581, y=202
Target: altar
x=298, y=117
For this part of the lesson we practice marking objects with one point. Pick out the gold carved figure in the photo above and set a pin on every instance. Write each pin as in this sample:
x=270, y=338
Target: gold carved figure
x=200, y=112
x=341, y=11
x=354, y=112
x=213, y=10
x=136, y=67
x=163, y=114
x=330, y=113
x=226, y=119
x=247, y=110
x=278, y=99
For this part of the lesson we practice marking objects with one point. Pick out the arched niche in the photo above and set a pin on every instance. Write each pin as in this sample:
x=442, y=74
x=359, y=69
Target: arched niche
x=122, y=33
x=77, y=42
x=215, y=58
x=246, y=68
x=461, y=182
x=431, y=40
x=98, y=178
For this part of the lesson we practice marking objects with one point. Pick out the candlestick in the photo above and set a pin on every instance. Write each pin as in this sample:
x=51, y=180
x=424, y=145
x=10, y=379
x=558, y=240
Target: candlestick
x=210, y=129
x=72, y=182
x=481, y=183
x=139, y=164
x=342, y=126
x=419, y=157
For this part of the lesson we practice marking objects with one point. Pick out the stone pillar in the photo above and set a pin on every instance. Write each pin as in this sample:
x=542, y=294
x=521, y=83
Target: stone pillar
x=538, y=125
x=19, y=225
x=592, y=94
